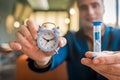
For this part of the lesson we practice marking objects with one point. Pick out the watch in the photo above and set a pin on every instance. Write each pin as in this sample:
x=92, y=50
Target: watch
x=48, y=40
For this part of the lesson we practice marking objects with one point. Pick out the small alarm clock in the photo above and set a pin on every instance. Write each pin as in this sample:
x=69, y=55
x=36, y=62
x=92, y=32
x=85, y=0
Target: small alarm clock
x=48, y=40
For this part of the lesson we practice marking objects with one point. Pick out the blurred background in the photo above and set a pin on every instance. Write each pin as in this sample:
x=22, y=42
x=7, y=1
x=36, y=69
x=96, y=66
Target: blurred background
x=63, y=13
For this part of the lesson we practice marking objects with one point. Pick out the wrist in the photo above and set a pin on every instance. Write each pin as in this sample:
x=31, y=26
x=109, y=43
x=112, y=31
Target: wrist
x=41, y=65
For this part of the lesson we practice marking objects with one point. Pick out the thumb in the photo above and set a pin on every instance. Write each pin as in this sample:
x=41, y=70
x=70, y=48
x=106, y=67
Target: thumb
x=15, y=45
x=62, y=42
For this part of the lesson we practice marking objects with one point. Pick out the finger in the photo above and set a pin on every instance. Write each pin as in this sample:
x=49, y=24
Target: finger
x=15, y=45
x=22, y=40
x=89, y=54
x=32, y=28
x=62, y=42
x=87, y=62
x=25, y=32
x=108, y=59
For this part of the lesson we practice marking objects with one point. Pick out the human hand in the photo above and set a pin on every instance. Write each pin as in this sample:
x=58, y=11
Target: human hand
x=106, y=64
x=26, y=42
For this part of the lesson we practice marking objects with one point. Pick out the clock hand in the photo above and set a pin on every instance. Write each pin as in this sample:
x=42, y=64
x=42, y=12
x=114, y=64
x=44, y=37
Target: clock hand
x=52, y=38
x=46, y=39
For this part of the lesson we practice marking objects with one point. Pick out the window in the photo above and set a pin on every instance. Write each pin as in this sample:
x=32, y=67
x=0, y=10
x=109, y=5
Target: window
x=110, y=12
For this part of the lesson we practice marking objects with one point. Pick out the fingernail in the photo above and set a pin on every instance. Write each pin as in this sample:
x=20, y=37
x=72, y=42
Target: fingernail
x=84, y=61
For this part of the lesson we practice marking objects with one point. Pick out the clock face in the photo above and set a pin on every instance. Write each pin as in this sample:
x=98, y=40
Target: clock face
x=47, y=41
